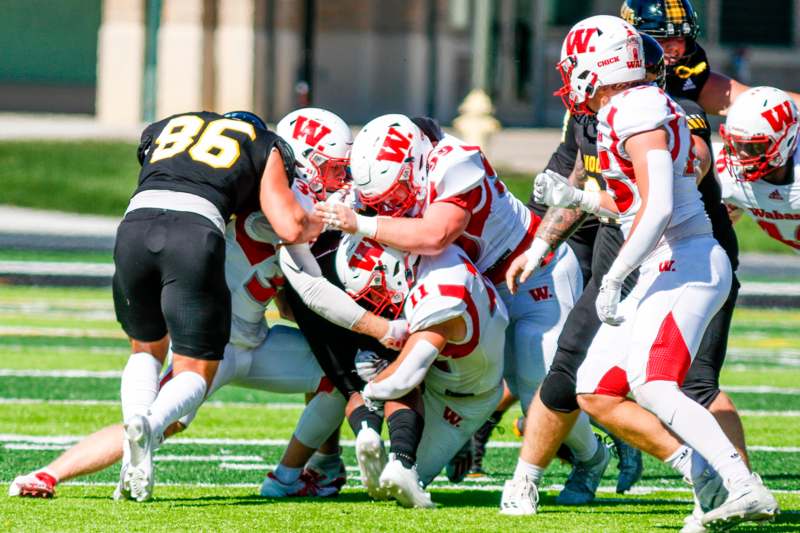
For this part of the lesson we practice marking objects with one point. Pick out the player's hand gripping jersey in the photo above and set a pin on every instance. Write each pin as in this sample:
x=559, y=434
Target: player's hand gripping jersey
x=776, y=208
x=252, y=270
x=638, y=110
x=500, y=224
x=449, y=286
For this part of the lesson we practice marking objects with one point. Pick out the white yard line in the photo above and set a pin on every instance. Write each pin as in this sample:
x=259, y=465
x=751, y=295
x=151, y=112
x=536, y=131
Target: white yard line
x=70, y=439
x=115, y=403
x=61, y=332
x=760, y=389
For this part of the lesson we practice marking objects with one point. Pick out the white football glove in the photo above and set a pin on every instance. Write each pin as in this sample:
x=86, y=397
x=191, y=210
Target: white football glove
x=369, y=364
x=396, y=335
x=553, y=189
x=539, y=248
x=608, y=300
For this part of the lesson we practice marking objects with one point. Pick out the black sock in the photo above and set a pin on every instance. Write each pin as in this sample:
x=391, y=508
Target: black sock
x=405, y=432
x=363, y=414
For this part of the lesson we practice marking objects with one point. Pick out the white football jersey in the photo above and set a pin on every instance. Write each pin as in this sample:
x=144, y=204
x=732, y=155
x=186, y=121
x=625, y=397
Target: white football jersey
x=448, y=286
x=460, y=173
x=637, y=110
x=252, y=271
x=775, y=208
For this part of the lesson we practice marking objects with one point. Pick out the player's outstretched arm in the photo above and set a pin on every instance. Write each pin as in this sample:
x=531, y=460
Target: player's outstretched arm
x=329, y=301
x=288, y=218
x=411, y=366
x=720, y=91
x=438, y=228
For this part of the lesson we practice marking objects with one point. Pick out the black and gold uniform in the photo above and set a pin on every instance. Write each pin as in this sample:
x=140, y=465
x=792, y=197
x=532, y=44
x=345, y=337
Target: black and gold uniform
x=198, y=169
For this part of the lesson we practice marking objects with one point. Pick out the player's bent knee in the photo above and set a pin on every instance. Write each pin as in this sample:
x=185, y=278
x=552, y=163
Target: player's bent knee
x=658, y=398
x=558, y=392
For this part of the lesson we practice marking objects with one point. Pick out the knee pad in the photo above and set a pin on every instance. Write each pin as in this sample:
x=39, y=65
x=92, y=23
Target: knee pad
x=558, y=392
x=658, y=397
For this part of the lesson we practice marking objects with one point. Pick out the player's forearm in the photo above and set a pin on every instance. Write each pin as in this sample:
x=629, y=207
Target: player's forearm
x=405, y=373
x=415, y=235
x=320, y=295
x=558, y=224
x=372, y=325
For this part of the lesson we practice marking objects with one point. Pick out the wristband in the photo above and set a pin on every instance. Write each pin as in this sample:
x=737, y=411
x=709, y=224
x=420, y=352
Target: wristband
x=367, y=226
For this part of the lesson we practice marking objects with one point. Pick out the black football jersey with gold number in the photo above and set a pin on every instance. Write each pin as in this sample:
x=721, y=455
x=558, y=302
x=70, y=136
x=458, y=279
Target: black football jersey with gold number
x=206, y=154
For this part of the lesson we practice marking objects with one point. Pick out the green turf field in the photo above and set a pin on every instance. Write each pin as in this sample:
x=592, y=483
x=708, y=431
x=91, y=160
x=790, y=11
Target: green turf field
x=61, y=353
x=98, y=177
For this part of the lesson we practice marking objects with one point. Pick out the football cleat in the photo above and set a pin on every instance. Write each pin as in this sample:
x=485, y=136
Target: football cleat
x=137, y=478
x=479, y=440
x=304, y=486
x=37, y=484
x=694, y=522
x=121, y=492
x=459, y=465
x=326, y=475
x=750, y=501
x=403, y=485
x=630, y=465
x=371, y=457
x=520, y=497
x=585, y=477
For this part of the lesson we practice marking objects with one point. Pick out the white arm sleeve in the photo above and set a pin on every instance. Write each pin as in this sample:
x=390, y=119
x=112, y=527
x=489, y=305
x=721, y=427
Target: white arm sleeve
x=410, y=373
x=323, y=297
x=654, y=219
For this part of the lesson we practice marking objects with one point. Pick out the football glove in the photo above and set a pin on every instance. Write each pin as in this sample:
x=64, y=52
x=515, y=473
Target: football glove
x=369, y=364
x=607, y=301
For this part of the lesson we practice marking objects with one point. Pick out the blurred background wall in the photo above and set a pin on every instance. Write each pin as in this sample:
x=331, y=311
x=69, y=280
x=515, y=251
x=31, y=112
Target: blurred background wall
x=132, y=60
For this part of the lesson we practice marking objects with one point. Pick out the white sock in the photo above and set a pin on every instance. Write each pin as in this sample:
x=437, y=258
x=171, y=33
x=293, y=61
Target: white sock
x=581, y=439
x=139, y=385
x=287, y=475
x=531, y=470
x=696, y=427
x=682, y=461
x=180, y=396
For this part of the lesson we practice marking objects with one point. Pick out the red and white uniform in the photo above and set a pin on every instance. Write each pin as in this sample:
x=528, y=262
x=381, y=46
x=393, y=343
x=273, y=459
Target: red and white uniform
x=500, y=229
x=635, y=111
x=682, y=283
x=775, y=208
x=463, y=386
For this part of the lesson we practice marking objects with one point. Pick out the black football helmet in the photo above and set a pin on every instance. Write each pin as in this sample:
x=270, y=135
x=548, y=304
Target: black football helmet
x=654, y=61
x=662, y=18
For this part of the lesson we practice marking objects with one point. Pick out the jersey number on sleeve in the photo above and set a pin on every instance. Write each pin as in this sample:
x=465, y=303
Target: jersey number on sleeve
x=213, y=148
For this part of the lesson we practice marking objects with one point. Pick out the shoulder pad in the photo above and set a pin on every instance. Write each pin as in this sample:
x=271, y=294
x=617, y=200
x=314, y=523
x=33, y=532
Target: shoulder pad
x=454, y=168
x=426, y=306
x=639, y=109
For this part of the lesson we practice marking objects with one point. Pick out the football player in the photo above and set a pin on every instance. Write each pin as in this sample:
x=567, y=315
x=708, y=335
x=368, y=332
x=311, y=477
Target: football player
x=276, y=359
x=427, y=198
x=757, y=165
x=169, y=287
x=646, y=344
x=457, y=324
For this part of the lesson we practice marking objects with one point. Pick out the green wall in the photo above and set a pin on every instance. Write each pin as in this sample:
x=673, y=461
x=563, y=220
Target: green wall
x=49, y=41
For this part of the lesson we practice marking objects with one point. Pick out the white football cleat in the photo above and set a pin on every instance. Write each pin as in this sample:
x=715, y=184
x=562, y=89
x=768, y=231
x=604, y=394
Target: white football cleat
x=750, y=501
x=520, y=497
x=371, y=457
x=403, y=485
x=694, y=522
x=304, y=486
x=137, y=478
x=37, y=484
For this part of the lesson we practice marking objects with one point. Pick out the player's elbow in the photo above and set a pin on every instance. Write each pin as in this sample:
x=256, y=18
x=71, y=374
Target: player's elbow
x=435, y=241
